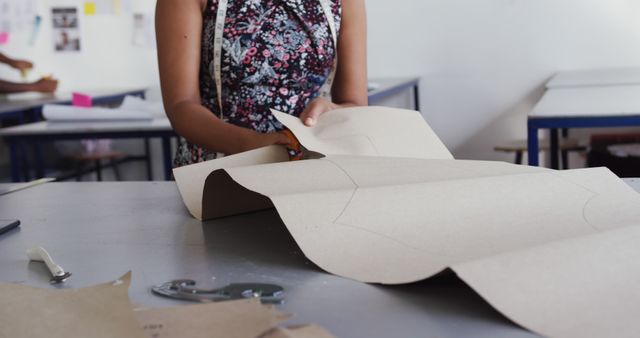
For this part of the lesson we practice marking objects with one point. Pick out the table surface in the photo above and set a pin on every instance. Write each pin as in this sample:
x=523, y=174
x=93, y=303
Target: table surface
x=603, y=101
x=26, y=101
x=99, y=231
x=65, y=128
x=595, y=77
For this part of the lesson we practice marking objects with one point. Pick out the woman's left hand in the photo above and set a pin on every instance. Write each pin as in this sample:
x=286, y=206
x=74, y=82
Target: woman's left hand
x=316, y=108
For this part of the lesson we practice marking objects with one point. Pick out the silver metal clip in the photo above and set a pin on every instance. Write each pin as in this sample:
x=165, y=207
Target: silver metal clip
x=184, y=289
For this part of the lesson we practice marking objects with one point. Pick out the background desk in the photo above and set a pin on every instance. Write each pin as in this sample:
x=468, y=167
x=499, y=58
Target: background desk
x=584, y=107
x=22, y=137
x=28, y=106
x=595, y=78
x=99, y=231
x=390, y=87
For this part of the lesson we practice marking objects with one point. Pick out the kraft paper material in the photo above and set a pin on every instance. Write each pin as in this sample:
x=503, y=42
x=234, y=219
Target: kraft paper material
x=102, y=311
x=552, y=250
x=238, y=319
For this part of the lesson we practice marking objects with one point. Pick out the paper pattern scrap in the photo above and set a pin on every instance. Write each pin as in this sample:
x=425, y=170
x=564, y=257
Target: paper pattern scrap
x=307, y=331
x=99, y=311
x=240, y=319
x=556, y=251
x=4, y=38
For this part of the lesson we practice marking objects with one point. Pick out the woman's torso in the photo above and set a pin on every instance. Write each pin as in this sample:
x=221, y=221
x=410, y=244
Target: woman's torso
x=276, y=54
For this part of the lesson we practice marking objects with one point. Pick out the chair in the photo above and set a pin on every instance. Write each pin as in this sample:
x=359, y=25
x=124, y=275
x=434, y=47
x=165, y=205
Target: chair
x=519, y=147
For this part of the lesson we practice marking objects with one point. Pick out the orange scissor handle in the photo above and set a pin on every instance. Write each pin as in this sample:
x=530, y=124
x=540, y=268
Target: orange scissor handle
x=294, y=145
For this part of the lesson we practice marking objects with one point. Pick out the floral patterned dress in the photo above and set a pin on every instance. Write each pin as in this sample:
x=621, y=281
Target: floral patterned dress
x=276, y=54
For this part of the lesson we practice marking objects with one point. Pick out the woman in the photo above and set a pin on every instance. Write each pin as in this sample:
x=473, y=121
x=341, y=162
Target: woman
x=271, y=54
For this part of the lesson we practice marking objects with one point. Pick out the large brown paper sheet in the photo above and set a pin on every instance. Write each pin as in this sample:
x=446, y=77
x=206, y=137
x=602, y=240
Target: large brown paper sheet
x=237, y=319
x=549, y=249
x=99, y=311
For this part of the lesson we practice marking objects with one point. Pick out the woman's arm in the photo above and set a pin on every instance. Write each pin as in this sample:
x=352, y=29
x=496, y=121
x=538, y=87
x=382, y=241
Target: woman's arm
x=350, y=85
x=17, y=64
x=44, y=85
x=179, y=29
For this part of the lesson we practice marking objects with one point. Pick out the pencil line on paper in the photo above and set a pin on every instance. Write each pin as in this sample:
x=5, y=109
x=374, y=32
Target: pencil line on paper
x=353, y=193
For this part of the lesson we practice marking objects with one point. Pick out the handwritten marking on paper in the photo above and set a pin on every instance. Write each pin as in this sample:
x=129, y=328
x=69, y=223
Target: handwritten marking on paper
x=153, y=330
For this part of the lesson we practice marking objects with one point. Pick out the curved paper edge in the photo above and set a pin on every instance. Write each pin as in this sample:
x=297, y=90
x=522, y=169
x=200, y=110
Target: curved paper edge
x=223, y=197
x=191, y=179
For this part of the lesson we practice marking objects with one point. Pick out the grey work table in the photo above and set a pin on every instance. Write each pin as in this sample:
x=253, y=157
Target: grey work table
x=99, y=231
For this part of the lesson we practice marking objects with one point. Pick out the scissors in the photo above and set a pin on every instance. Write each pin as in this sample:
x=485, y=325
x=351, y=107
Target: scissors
x=184, y=289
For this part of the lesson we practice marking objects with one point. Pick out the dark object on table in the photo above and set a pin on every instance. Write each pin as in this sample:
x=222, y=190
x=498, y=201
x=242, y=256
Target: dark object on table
x=7, y=225
x=184, y=289
x=600, y=156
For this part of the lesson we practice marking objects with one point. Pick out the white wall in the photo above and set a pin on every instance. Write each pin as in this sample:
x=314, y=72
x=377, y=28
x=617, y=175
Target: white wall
x=483, y=62
x=108, y=58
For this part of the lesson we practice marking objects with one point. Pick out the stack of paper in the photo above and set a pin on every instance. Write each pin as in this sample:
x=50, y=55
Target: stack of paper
x=555, y=251
x=63, y=113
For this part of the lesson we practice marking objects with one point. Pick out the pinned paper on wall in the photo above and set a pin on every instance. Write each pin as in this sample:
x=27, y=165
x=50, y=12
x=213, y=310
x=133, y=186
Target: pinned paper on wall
x=4, y=38
x=17, y=16
x=143, y=30
x=89, y=8
x=102, y=7
x=5, y=17
x=35, y=31
x=66, y=30
x=122, y=6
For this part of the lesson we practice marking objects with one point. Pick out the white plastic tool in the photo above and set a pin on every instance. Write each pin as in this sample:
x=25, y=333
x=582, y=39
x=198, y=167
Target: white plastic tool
x=39, y=254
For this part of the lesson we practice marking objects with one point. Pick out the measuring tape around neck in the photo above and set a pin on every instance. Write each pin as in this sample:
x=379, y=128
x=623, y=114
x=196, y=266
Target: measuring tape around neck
x=218, y=41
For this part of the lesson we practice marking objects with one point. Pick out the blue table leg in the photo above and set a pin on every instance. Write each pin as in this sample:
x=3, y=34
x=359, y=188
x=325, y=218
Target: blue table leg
x=15, y=160
x=166, y=154
x=533, y=145
x=39, y=160
x=147, y=160
x=554, y=149
x=416, y=97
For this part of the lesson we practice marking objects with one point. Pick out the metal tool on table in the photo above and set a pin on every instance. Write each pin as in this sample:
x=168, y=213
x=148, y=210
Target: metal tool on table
x=184, y=289
x=39, y=254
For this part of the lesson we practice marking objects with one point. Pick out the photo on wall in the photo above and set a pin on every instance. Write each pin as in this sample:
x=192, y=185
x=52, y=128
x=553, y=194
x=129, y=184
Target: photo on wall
x=66, y=30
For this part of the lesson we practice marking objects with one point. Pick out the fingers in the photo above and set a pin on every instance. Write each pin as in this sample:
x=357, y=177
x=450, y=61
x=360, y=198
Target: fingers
x=310, y=115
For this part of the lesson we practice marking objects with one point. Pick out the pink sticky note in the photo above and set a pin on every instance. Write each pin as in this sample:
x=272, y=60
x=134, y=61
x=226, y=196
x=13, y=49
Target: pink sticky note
x=4, y=38
x=81, y=100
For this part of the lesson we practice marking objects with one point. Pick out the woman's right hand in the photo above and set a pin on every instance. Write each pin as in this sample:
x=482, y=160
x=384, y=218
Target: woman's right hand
x=45, y=85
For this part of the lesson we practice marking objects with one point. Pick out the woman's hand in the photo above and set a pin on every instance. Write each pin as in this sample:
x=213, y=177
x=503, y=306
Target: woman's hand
x=254, y=140
x=316, y=108
x=45, y=85
x=21, y=65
